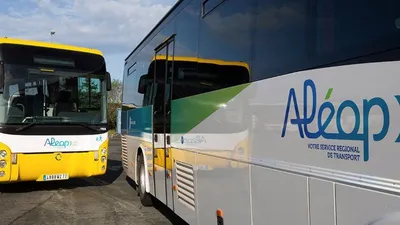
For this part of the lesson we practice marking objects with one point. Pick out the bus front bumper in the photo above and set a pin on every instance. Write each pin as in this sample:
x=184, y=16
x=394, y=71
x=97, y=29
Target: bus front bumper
x=52, y=166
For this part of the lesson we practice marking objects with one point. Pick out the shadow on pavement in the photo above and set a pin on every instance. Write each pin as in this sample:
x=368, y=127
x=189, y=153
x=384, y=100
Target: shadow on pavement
x=114, y=170
x=163, y=209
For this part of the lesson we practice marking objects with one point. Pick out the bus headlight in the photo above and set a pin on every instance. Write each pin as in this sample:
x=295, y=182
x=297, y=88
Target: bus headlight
x=2, y=173
x=104, y=151
x=103, y=159
x=3, y=154
x=3, y=163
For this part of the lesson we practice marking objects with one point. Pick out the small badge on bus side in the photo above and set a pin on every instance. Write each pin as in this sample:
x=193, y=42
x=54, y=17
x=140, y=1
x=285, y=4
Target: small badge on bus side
x=58, y=156
x=99, y=138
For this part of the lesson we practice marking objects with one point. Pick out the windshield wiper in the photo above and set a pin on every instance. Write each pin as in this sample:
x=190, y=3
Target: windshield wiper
x=35, y=122
x=72, y=123
x=27, y=126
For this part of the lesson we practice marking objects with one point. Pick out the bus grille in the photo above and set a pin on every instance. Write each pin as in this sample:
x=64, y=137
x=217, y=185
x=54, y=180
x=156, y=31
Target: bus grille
x=124, y=155
x=185, y=182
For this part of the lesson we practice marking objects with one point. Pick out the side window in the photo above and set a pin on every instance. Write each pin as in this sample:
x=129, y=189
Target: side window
x=185, y=52
x=280, y=37
x=131, y=82
x=132, y=69
x=212, y=49
x=348, y=29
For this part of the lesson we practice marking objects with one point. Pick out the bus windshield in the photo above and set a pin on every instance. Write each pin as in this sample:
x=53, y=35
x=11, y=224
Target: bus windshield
x=53, y=90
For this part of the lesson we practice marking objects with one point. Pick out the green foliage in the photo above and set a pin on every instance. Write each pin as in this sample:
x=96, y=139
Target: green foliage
x=114, y=102
x=89, y=93
x=115, y=95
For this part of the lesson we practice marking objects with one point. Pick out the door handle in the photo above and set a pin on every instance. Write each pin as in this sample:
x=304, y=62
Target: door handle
x=155, y=154
x=155, y=149
x=166, y=147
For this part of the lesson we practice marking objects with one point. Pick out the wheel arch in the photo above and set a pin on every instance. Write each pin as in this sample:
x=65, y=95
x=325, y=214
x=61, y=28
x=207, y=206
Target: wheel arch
x=141, y=152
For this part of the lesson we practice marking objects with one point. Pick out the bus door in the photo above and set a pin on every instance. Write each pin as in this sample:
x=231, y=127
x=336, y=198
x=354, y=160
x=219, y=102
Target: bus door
x=163, y=70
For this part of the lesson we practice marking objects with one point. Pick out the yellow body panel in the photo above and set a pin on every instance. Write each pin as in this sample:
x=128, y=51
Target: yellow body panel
x=32, y=167
x=6, y=40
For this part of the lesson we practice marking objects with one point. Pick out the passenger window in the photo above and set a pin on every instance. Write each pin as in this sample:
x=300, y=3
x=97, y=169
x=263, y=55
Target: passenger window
x=224, y=48
x=347, y=29
x=132, y=69
x=280, y=38
x=132, y=75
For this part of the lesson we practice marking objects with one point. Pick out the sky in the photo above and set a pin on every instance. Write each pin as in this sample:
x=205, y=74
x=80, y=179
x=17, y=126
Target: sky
x=113, y=26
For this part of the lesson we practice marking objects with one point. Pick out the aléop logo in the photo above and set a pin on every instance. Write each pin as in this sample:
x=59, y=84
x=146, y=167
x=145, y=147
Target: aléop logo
x=198, y=139
x=53, y=142
x=337, y=151
x=99, y=138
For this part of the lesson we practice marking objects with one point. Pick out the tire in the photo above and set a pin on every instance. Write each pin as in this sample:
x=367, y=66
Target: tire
x=145, y=197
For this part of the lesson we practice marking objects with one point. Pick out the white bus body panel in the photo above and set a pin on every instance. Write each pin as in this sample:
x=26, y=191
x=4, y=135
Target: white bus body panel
x=347, y=188
x=284, y=180
x=50, y=143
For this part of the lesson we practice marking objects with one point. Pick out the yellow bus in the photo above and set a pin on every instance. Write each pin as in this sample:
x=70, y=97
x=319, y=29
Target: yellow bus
x=53, y=111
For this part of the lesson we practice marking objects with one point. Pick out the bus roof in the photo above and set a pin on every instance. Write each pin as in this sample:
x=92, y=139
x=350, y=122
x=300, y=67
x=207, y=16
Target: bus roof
x=7, y=40
x=201, y=60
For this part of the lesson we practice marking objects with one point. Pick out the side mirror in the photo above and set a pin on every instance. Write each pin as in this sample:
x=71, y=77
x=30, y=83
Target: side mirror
x=143, y=82
x=108, y=81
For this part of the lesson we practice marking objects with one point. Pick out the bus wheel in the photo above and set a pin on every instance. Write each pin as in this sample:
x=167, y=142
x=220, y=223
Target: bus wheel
x=145, y=197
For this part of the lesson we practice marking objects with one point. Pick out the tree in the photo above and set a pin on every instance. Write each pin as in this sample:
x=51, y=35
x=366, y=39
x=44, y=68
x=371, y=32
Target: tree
x=114, y=102
x=89, y=93
x=115, y=95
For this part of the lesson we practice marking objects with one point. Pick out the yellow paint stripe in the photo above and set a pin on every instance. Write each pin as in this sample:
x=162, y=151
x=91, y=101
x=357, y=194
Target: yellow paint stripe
x=7, y=40
x=201, y=60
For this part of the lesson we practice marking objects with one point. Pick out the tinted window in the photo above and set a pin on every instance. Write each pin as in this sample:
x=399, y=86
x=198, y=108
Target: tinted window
x=130, y=94
x=347, y=29
x=211, y=53
x=186, y=43
x=225, y=45
x=280, y=43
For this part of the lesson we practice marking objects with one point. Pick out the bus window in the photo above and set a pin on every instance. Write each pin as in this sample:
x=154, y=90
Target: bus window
x=348, y=29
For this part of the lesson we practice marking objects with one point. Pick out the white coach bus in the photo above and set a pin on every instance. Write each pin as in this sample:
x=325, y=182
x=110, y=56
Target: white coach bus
x=267, y=112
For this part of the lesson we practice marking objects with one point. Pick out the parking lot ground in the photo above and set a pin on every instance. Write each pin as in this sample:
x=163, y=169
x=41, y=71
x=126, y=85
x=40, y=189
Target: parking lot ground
x=108, y=199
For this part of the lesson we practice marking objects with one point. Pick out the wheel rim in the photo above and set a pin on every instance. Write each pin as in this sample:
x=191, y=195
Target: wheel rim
x=142, y=180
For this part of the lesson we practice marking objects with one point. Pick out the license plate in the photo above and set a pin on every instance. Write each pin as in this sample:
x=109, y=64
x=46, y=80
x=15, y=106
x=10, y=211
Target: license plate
x=55, y=177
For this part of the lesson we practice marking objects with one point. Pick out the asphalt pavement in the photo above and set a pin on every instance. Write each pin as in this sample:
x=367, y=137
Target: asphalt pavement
x=108, y=199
